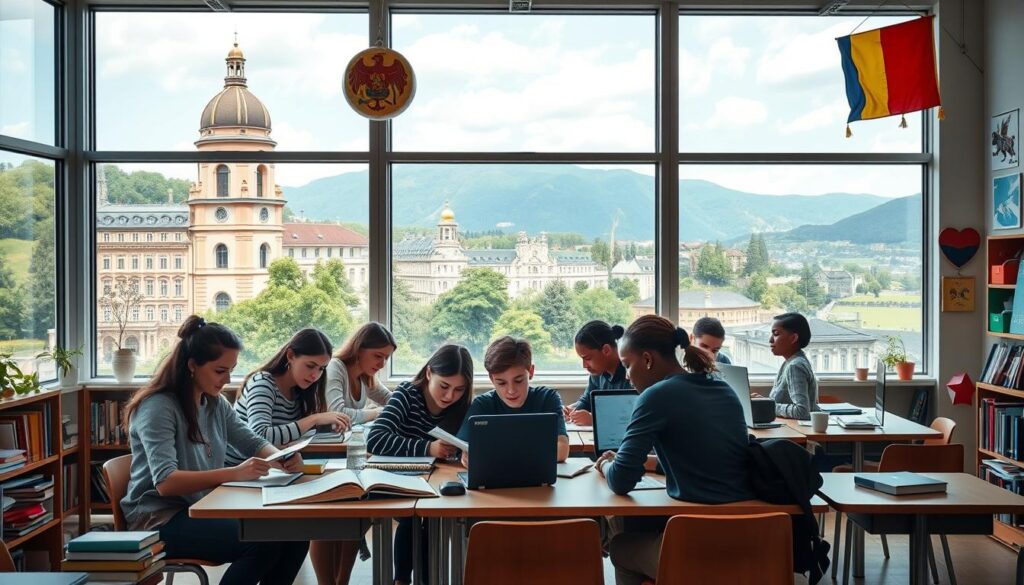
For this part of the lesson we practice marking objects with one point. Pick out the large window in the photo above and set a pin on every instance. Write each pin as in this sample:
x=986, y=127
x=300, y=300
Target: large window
x=27, y=70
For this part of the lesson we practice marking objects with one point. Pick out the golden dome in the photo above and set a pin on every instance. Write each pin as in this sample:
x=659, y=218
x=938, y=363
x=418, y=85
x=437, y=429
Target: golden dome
x=447, y=214
x=235, y=52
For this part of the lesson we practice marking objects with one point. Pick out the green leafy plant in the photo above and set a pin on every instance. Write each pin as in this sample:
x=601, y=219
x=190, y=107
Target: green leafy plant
x=61, y=357
x=895, y=352
x=12, y=378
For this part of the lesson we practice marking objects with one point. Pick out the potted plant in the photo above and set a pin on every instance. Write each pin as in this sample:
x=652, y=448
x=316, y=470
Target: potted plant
x=121, y=300
x=62, y=358
x=9, y=374
x=895, y=357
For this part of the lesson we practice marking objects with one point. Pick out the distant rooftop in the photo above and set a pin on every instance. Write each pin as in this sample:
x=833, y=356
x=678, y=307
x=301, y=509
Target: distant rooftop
x=322, y=234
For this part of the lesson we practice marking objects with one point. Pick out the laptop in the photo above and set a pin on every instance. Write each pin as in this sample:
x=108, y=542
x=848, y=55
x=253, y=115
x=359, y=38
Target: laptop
x=512, y=450
x=612, y=411
x=736, y=378
x=870, y=421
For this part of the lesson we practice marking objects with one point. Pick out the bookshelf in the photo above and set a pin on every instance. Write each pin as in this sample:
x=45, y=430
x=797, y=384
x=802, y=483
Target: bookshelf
x=39, y=414
x=998, y=250
x=101, y=410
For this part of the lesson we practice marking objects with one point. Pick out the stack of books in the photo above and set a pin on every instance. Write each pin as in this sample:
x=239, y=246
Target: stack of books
x=117, y=557
x=1007, y=476
x=11, y=459
x=28, y=504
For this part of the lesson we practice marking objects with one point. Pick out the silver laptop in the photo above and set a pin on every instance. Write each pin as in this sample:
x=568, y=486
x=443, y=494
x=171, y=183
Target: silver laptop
x=736, y=378
x=869, y=421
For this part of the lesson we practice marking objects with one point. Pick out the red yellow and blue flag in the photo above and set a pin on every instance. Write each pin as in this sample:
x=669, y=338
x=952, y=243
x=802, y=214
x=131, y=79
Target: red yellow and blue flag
x=890, y=70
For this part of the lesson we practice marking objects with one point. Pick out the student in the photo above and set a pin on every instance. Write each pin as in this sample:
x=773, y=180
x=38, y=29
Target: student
x=179, y=428
x=795, y=391
x=597, y=345
x=709, y=335
x=509, y=364
x=283, y=400
x=695, y=424
x=439, y=396
x=352, y=373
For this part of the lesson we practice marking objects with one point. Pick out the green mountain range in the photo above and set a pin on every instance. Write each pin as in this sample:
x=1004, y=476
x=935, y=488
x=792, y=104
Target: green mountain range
x=893, y=222
x=568, y=198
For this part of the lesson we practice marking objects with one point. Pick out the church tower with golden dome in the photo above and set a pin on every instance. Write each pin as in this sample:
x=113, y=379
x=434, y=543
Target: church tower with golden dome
x=236, y=209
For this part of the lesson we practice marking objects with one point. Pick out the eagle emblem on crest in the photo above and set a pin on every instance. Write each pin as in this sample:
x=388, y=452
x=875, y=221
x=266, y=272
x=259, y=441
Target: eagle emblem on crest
x=379, y=83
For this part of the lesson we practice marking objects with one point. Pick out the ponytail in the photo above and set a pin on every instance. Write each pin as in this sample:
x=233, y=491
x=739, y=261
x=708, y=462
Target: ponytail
x=597, y=334
x=656, y=333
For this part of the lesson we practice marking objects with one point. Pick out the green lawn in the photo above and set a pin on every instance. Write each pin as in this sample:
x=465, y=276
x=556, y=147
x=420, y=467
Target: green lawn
x=901, y=318
x=880, y=299
x=17, y=253
x=19, y=345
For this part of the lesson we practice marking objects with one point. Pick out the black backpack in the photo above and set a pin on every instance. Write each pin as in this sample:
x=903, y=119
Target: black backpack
x=782, y=472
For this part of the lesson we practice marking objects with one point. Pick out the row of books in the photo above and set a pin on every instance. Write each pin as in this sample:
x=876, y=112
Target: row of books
x=1004, y=366
x=1002, y=427
x=27, y=504
x=98, y=483
x=1006, y=476
x=117, y=557
x=70, y=480
x=28, y=430
x=105, y=423
x=11, y=459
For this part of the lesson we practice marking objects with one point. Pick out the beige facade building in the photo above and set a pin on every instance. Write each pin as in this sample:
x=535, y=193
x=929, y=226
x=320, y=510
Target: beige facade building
x=309, y=243
x=639, y=270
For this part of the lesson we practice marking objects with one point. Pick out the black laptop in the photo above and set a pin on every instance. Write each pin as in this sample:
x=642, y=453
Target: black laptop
x=512, y=450
x=613, y=410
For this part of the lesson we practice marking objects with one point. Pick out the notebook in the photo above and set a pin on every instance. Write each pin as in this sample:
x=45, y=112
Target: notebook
x=900, y=483
x=275, y=478
x=102, y=541
x=348, y=485
x=574, y=467
x=387, y=463
x=840, y=408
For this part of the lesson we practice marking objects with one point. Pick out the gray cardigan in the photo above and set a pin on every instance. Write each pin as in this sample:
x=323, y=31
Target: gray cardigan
x=339, y=394
x=158, y=435
x=796, y=389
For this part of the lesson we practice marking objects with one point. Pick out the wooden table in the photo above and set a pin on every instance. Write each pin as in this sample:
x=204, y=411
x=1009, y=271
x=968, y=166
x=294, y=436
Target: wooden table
x=583, y=442
x=584, y=496
x=333, y=521
x=965, y=495
x=896, y=428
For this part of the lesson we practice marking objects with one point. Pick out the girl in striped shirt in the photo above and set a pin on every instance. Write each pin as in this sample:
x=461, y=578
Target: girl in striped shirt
x=439, y=395
x=283, y=400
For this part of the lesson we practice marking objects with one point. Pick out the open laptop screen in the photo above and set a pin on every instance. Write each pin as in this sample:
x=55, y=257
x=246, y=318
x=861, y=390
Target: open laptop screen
x=880, y=393
x=612, y=412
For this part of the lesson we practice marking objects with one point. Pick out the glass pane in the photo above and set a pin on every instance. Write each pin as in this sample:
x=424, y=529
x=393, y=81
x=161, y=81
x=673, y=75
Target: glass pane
x=481, y=251
x=775, y=84
x=538, y=83
x=265, y=266
x=168, y=73
x=840, y=244
x=27, y=70
x=27, y=261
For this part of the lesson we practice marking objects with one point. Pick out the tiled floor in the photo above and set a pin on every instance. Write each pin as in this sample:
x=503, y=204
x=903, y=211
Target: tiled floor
x=979, y=560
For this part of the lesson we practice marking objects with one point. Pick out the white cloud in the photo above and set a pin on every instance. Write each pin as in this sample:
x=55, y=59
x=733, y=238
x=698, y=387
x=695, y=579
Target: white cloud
x=886, y=181
x=802, y=55
x=17, y=130
x=723, y=60
x=735, y=111
x=833, y=114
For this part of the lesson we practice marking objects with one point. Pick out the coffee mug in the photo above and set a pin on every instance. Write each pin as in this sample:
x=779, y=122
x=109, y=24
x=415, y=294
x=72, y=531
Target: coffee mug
x=819, y=421
x=860, y=374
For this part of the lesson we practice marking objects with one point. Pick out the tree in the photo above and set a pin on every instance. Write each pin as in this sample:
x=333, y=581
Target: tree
x=285, y=272
x=808, y=286
x=601, y=303
x=467, y=313
x=525, y=324
x=555, y=308
x=874, y=288
x=580, y=286
x=784, y=296
x=330, y=277
x=11, y=303
x=599, y=252
x=757, y=255
x=713, y=266
x=758, y=287
x=143, y=186
x=410, y=323
x=42, y=271
x=687, y=283
x=625, y=288
x=885, y=279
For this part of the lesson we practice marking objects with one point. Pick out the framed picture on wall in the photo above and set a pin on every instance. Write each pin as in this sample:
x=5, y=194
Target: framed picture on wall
x=1005, y=130
x=1006, y=202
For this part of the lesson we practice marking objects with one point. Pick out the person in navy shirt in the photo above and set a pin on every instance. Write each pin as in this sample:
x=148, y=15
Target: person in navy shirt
x=709, y=335
x=597, y=345
x=509, y=364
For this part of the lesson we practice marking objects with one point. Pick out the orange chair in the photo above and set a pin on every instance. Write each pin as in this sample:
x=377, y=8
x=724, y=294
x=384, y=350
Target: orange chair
x=116, y=473
x=6, y=562
x=918, y=459
x=711, y=550
x=512, y=553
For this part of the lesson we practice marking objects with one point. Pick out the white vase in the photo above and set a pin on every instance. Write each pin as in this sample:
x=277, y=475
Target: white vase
x=124, y=365
x=70, y=379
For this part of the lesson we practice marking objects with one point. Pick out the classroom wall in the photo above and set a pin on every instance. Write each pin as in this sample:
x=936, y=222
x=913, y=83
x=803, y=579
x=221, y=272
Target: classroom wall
x=958, y=177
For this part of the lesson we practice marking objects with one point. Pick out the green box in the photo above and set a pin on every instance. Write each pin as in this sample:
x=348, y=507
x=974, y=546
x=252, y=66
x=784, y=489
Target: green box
x=999, y=322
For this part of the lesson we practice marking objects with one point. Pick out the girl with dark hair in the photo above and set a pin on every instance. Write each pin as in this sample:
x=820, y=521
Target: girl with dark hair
x=693, y=421
x=439, y=395
x=795, y=391
x=352, y=373
x=284, y=399
x=180, y=428
x=597, y=345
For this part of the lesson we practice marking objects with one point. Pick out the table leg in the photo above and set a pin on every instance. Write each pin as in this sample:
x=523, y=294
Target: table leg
x=858, y=532
x=458, y=556
x=417, y=558
x=377, y=551
x=446, y=551
x=434, y=527
x=383, y=569
x=919, y=550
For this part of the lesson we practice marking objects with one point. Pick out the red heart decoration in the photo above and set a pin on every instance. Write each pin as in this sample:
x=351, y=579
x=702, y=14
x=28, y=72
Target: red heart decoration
x=959, y=246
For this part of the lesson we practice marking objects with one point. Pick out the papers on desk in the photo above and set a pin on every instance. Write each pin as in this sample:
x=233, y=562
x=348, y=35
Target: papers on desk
x=840, y=408
x=649, y=483
x=330, y=438
x=575, y=428
x=443, y=435
x=349, y=485
x=574, y=467
x=276, y=478
x=290, y=450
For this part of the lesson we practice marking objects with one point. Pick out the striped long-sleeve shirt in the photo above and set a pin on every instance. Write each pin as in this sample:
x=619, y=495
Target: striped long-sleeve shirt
x=264, y=409
x=402, y=427
x=796, y=389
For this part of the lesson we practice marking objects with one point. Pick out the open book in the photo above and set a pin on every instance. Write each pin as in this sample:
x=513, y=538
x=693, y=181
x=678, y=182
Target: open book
x=348, y=485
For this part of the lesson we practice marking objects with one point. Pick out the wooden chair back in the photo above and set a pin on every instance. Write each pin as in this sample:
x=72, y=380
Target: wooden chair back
x=945, y=426
x=116, y=472
x=710, y=550
x=6, y=562
x=923, y=458
x=538, y=553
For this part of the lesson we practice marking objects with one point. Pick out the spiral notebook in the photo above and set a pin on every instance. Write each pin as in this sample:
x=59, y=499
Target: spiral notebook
x=401, y=464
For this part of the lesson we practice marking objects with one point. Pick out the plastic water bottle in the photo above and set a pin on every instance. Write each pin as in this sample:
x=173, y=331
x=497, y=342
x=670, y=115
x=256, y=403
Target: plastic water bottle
x=355, y=450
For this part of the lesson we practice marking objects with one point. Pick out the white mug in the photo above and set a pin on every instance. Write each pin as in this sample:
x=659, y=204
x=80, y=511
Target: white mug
x=819, y=422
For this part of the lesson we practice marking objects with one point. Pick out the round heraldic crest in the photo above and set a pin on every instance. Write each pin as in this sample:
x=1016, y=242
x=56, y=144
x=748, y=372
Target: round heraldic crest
x=379, y=83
